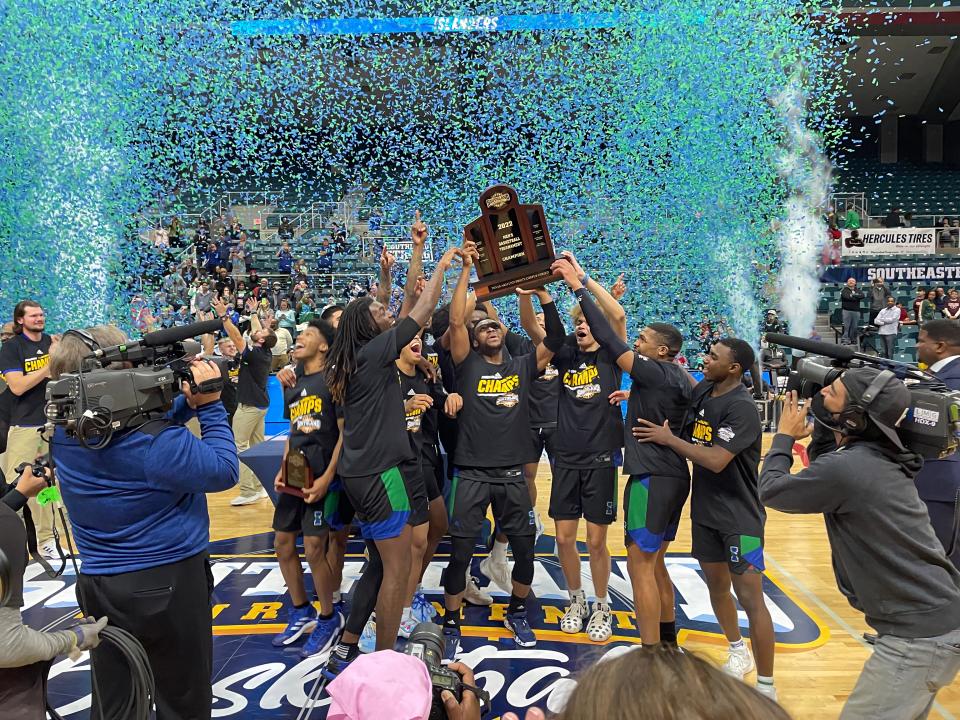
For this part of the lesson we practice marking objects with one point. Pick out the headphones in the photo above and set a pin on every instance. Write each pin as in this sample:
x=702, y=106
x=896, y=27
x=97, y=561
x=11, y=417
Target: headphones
x=853, y=419
x=87, y=338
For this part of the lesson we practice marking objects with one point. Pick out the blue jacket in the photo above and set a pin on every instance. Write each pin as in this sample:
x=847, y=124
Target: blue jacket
x=139, y=502
x=939, y=480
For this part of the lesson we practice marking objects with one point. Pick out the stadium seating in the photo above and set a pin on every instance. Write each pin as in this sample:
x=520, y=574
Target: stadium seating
x=922, y=190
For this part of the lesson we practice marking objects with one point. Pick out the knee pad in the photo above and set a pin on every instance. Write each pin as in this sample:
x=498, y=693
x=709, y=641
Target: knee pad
x=455, y=576
x=522, y=548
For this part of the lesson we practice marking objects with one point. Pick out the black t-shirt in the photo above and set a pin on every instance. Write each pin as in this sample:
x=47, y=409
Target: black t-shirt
x=23, y=355
x=228, y=396
x=729, y=500
x=589, y=428
x=494, y=424
x=422, y=424
x=13, y=543
x=254, y=371
x=545, y=393
x=375, y=436
x=660, y=391
x=313, y=420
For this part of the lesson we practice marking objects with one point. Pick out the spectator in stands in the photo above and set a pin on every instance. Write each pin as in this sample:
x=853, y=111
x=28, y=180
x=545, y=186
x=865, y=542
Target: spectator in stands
x=287, y=318
x=833, y=231
x=893, y=220
x=325, y=256
x=305, y=309
x=917, y=302
x=253, y=279
x=175, y=232
x=851, y=220
x=182, y=316
x=941, y=298
x=261, y=290
x=238, y=262
x=211, y=258
x=300, y=272
x=955, y=230
x=188, y=271
x=224, y=281
x=275, y=295
x=202, y=300
x=285, y=231
x=928, y=308
x=888, y=320
x=850, y=299
x=161, y=238
x=281, y=351
x=907, y=220
x=905, y=317
x=332, y=313
x=944, y=237
x=832, y=254
x=166, y=318
x=284, y=259
x=242, y=293
x=223, y=252
x=951, y=309
x=174, y=287
x=879, y=294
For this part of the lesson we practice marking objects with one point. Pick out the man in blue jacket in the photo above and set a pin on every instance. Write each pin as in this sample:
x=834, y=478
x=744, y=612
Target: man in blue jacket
x=938, y=483
x=139, y=516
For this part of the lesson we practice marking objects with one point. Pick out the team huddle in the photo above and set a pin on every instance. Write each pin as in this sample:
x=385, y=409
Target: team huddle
x=372, y=401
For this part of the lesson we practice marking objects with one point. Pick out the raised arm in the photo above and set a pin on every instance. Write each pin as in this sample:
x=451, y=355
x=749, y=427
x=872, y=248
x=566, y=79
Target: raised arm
x=386, y=282
x=233, y=332
x=555, y=332
x=528, y=317
x=608, y=338
x=418, y=234
x=427, y=303
x=611, y=308
x=458, y=337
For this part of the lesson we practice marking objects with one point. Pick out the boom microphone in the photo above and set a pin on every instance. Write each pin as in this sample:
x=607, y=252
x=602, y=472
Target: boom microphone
x=168, y=336
x=814, y=347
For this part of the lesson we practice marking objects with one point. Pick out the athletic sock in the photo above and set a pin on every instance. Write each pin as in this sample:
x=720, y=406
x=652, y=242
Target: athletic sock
x=668, y=633
x=325, y=617
x=763, y=680
x=517, y=605
x=407, y=612
x=738, y=646
x=604, y=601
x=301, y=606
x=451, y=618
x=577, y=596
x=336, y=596
x=499, y=552
x=346, y=651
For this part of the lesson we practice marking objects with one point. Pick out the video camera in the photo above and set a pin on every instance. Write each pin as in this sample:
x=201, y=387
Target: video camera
x=932, y=425
x=95, y=402
x=426, y=642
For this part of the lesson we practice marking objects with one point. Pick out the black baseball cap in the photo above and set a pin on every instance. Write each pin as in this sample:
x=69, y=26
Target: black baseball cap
x=888, y=407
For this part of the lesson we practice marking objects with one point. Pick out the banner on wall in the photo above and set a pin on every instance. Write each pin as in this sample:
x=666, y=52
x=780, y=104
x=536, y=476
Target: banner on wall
x=890, y=241
x=921, y=274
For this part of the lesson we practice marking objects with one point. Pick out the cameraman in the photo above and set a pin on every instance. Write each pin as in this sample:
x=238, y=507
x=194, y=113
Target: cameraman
x=886, y=558
x=140, y=522
x=25, y=654
x=938, y=483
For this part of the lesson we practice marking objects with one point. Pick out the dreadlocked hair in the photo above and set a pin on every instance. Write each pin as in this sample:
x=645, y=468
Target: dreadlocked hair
x=356, y=329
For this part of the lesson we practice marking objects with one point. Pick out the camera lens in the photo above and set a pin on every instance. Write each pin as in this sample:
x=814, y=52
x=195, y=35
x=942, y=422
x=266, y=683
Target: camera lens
x=430, y=635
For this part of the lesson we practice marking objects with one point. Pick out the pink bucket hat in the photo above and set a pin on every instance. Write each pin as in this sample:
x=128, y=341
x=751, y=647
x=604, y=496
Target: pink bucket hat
x=381, y=685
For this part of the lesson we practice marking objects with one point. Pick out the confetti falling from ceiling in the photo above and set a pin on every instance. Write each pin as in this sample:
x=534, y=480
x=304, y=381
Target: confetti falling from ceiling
x=647, y=131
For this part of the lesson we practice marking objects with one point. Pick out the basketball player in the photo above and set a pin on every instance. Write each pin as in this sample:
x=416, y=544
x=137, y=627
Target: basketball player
x=422, y=399
x=727, y=516
x=589, y=434
x=659, y=480
x=492, y=446
x=377, y=463
x=315, y=434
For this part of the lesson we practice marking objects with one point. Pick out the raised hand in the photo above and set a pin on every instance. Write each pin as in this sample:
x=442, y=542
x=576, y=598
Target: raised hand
x=418, y=231
x=387, y=259
x=619, y=288
x=469, y=251
x=572, y=259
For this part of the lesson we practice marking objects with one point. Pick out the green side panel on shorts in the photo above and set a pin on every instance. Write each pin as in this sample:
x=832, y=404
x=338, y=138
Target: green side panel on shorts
x=749, y=543
x=637, y=509
x=396, y=491
x=453, y=494
x=330, y=503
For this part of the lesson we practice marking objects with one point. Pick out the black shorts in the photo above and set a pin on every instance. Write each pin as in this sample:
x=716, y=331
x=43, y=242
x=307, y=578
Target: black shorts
x=743, y=553
x=387, y=501
x=652, y=505
x=293, y=515
x=590, y=493
x=469, y=499
x=431, y=469
x=543, y=440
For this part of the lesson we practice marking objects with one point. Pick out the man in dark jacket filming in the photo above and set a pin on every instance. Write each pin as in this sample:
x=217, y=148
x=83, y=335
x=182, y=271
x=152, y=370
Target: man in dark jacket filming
x=886, y=558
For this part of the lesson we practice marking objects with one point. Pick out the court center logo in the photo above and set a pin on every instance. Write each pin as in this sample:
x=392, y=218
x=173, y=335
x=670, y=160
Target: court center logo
x=255, y=681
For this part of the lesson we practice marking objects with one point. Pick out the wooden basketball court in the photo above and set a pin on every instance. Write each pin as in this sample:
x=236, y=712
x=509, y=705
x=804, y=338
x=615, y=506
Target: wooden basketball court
x=813, y=681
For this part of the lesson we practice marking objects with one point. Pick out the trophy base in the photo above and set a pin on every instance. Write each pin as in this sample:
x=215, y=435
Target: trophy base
x=528, y=277
x=288, y=490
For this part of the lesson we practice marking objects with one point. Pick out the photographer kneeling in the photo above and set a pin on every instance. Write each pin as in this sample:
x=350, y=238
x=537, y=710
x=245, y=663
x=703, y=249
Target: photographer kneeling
x=26, y=654
x=886, y=558
x=141, y=527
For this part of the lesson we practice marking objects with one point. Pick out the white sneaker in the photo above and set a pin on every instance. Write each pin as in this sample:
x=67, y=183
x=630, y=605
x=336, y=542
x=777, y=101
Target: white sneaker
x=539, y=526
x=769, y=690
x=572, y=620
x=474, y=594
x=498, y=572
x=248, y=499
x=600, y=627
x=48, y=550
x=739, y=662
